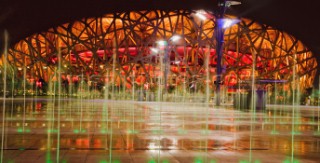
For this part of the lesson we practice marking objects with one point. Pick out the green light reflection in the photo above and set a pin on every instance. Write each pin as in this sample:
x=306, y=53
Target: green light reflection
x=198, y=160
x=103, y=131
x=274, y=132
x=21, y=130
x=182, y=131
x=132, y=131
x=52, y=131
x=296, y=133
x=49, y=161
x=205, y=132
x=157, y=131
x=151, y=161
x=165, y=161
x=48, y=157
x=245, y=161
x=76, y=131
x=289, y=161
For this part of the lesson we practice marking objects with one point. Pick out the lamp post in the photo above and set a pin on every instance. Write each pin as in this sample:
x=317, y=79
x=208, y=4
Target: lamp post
x=164, y=50
x=163, y=46
x=221, y=24
x=220, y=39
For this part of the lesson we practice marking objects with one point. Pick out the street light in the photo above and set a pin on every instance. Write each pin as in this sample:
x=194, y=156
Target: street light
x=220, y=28
x=175, y=38
x=163, y=49
x=201, y=14
x=154, y=50
x=232, y=3
x=221, y=24
x=226, y=22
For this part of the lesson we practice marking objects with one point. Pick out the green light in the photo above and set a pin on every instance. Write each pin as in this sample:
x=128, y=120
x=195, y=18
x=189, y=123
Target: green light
x=21, y=149
x=151, y=161
x=48, y=157
x=113, y=161
x=28, y=130
x=20, y=130
x=49, y=161
x=76, y=131
x=52, y=131
x=204, y=132
x=157, y=131
x=103, y=131
x=274, y=132
x=83, y=131
x=198, y=160
x=132, y=131
x=289, y=161
x=311, y=122
x=296, y=133
x=182, y=131
x=286, y=161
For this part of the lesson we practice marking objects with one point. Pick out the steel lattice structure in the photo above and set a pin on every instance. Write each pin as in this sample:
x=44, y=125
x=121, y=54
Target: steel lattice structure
x=118, y=45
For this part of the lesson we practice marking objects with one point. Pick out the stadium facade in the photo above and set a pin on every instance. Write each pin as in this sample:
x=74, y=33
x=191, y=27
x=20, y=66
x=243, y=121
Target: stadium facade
x=138, y=47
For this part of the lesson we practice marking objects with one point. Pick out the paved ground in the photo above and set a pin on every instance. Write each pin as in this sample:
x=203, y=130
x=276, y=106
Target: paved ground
x=83, y=130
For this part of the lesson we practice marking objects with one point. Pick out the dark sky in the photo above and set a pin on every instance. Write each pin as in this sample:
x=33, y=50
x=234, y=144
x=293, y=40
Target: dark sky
x=300, y=18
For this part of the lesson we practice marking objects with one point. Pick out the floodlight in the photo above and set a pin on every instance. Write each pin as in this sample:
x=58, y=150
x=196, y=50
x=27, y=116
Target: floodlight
x=201, y=14
x=226, y=23
x=154, y=50
x=232, y=3
x=162, y=43
x=175, y=38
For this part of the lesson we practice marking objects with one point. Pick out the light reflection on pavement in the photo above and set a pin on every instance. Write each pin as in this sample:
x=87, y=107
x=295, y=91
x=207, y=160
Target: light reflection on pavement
x=125, y=131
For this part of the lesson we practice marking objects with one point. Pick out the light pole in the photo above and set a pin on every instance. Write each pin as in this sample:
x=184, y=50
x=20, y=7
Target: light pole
x=221, y=24
x=163, y=49
x=163, y=46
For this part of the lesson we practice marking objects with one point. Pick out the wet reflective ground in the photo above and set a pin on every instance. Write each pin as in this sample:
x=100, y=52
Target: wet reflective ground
x=95, y=130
